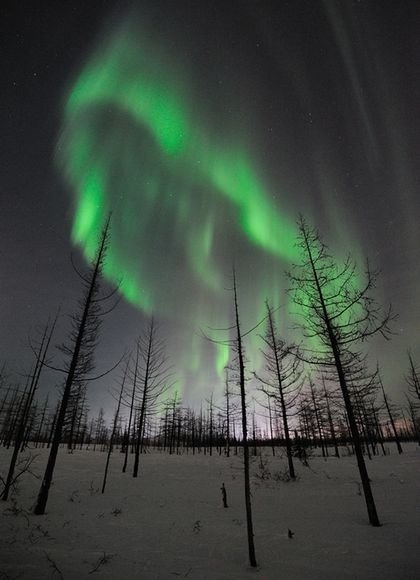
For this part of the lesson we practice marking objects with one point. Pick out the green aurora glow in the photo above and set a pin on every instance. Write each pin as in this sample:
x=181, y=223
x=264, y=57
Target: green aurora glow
x=131, y=144
x=187, y=195
x=207, y=127
x=152, y=104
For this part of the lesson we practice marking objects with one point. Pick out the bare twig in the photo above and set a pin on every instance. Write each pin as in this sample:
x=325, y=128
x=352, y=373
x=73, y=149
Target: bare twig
x=54, y=565
x=102, y=560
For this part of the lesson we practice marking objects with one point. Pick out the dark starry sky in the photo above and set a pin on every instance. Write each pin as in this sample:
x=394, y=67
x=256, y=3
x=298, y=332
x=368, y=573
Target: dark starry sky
x=325, y=94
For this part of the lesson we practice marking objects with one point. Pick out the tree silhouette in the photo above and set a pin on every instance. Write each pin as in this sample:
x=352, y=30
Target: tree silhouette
x=339, y=313
x=153, y=378
x=21, y=427
x=283, y=382
x=80, y=349
x=413, y=378
x=247, y=488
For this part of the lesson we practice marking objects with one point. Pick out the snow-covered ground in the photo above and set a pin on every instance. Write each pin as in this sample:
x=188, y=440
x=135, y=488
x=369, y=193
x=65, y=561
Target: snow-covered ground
x=170, y=522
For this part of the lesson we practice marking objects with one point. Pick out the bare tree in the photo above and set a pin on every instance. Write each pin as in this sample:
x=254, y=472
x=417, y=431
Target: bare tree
x=131, y=405
x=114, y=430
x=391, y=417
x=229, y=411
x=339, y=313
x=247, y=488
x=153, y=378
x=414, y=418
x=283, y=382
x=316, y=410
x=41, y=425
x=328, y=409
x=40, y=359
x=413, y=378
x=80, y=350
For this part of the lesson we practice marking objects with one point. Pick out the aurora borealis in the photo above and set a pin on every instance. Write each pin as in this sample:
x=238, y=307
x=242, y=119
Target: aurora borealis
x=206, y=130
x=102, y=158
x=131, y=145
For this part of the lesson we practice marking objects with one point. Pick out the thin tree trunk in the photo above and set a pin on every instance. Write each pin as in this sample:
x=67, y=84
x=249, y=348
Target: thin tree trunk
x=130, y=418
x=227, y=394
x=114, y=429
x=330, y=421
x=40, y=360
x=143, y=403
x=247, y=487
x=391, y=419
x=281, y=393
x=370, y=502
x=49, y=471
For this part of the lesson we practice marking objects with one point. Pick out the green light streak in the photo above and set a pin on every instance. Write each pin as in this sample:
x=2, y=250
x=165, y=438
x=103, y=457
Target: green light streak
x=123, y=78
x=222, y=358
x=159, y=107
x=133, y=142
x=261, y=222
x=89, y=212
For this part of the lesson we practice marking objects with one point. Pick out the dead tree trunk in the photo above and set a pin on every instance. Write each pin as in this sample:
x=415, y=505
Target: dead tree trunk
x=391, y=419
x=275, y=355
x=370, y=502
x=114, y=430
x=247, y=487
x=72, y=373
x=26, y=407
x=130, y=417
x=143, y=405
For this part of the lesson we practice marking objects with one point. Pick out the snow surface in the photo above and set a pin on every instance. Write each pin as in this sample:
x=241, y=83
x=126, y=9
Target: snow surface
x=170, y=522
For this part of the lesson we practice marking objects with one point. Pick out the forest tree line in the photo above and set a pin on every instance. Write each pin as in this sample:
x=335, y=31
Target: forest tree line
x=320, y=393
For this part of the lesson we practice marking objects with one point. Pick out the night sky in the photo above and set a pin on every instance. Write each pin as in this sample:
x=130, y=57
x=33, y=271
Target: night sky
x=206, y=128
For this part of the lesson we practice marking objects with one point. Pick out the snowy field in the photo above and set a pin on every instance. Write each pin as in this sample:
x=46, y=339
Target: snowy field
x=170, y=522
